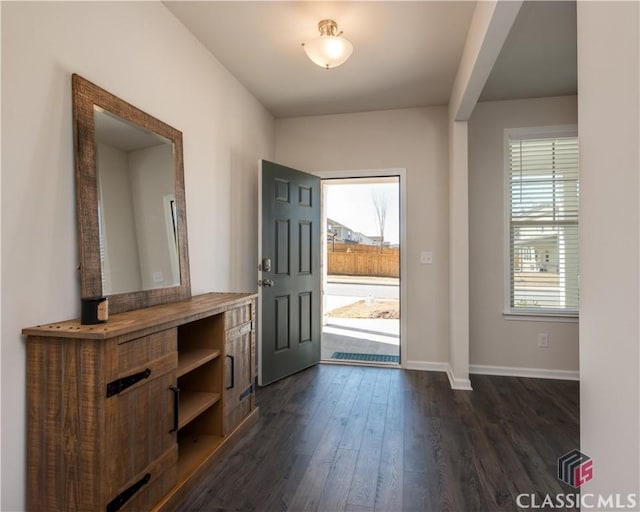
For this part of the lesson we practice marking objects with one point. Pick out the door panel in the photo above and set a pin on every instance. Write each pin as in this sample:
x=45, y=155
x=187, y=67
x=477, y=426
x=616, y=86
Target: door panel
x=236, y=397
x=283, y=320
x=290, y=294
x=304, y=232
x=304, y=307
x=283, y=246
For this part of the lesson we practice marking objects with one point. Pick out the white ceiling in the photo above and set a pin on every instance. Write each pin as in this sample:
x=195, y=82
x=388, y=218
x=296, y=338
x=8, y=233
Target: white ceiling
x=539, y=57
x=406, y=54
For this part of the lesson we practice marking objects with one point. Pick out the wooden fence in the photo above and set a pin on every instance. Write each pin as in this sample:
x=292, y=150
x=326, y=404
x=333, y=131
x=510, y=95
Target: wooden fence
x=365, y=263
x=341, y=247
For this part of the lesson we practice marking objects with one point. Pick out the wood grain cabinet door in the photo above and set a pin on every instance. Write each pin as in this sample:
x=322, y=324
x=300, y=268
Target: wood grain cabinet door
x=141, y=443
x=238, y=391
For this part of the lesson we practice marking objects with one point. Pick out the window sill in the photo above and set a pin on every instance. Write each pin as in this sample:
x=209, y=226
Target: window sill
x=538, y=316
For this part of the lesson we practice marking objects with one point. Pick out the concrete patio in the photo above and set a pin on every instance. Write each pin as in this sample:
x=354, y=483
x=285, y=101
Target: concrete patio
x=359, y=335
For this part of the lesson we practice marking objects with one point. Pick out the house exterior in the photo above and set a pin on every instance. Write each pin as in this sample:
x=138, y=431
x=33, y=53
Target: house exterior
x=376, y=240
x=339, y=233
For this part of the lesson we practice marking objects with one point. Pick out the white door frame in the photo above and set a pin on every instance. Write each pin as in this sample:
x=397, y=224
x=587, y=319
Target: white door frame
x=372, y=173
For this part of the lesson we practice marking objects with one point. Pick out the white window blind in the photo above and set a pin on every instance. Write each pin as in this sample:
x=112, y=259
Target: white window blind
x=543, y=225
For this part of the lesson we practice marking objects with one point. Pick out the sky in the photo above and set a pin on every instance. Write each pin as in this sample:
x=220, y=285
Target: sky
x=352, y=205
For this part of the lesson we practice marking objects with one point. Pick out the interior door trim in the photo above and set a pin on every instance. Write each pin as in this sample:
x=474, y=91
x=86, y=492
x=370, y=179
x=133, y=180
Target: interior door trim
x=258, y=361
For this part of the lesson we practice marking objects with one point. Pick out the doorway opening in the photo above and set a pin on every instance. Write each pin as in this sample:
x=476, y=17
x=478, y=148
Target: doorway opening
x=361, y=268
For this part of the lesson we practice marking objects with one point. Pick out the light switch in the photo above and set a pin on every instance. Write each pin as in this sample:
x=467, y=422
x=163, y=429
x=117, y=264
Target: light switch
x=426, y=257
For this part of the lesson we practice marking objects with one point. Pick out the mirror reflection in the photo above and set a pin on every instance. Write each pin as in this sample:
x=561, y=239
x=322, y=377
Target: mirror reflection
x=136, y=207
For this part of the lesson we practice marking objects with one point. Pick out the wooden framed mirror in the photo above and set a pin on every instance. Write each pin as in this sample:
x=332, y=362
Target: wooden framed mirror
x=130, y=202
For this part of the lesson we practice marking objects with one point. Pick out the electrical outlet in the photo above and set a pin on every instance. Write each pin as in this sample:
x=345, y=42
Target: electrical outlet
x=543, y=340
x=158, y=277
x=426, y=257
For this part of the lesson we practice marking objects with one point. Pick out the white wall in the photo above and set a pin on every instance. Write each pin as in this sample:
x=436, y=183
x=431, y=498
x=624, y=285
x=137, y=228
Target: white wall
x=494, y=340
x=608, y=112
x=140, y=52
x=415, y=139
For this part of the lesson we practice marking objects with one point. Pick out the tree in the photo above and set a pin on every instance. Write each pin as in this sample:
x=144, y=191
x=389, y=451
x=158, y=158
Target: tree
x=380, y=200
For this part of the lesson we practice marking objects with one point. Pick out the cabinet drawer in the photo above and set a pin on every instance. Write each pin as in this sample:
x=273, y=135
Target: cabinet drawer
x=237, y=316
x=141, y=351
x=142, y=360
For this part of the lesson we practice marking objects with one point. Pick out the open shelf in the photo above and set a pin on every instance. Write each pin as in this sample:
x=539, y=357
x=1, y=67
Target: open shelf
x=194, y=403
x=192, y=450
x=193, y=358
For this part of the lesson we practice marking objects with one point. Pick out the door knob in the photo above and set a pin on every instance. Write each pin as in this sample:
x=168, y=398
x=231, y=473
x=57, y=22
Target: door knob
x=266, y=283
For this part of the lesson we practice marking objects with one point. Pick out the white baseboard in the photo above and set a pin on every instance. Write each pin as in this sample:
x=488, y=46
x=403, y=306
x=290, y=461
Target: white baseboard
x=479, y=369
x=535, y=373
x=426, y=366
x=458, y=384
x=433, y=366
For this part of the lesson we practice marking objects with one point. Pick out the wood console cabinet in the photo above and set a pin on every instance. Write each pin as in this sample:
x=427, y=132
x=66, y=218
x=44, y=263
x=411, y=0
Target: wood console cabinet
x=129, y=414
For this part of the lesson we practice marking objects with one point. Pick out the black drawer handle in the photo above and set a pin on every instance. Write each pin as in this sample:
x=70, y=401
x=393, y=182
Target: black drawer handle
x=118, y=502
x=176, y=408
x=233, y=371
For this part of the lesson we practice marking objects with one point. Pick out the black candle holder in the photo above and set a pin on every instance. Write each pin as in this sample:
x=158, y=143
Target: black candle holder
x=94, y=310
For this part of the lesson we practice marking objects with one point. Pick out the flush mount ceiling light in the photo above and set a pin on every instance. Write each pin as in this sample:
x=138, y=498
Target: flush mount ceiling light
x=329, y=50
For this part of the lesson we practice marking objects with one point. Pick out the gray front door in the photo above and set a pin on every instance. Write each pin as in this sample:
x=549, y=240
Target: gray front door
x=290, y=272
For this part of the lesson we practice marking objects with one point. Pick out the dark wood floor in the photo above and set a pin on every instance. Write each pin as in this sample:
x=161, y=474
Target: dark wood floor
x=336, y=438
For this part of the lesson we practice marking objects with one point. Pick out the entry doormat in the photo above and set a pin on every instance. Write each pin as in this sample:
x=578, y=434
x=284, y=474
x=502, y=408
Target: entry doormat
x=374, y=358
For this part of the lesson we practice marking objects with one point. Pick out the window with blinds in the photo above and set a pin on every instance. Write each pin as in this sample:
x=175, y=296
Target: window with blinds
x=543, y=224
